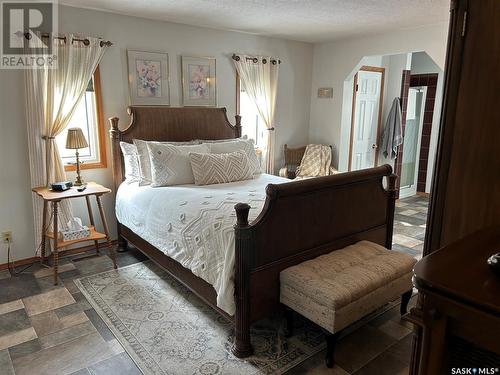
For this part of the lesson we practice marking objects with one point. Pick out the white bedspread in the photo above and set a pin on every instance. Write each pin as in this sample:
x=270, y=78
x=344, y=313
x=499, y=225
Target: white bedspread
x=194, y=225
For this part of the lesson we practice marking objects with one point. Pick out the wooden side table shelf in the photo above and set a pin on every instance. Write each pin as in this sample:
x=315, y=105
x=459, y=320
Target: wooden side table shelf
x=54, y=197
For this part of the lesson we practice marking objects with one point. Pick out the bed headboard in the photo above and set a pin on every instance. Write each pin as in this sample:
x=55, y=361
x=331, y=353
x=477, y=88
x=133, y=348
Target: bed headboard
x=160, y=123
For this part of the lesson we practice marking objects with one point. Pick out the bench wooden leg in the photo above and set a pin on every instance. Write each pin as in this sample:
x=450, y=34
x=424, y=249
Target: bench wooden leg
x=289, y=322
x=331, y=341
x=405, y=298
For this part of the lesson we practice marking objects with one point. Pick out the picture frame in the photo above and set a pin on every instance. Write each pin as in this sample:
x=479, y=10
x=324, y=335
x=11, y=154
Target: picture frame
x=199, y=81
x=148, y=76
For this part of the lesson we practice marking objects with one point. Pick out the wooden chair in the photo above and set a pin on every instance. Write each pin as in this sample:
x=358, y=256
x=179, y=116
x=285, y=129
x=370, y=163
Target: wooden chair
x=293, y=157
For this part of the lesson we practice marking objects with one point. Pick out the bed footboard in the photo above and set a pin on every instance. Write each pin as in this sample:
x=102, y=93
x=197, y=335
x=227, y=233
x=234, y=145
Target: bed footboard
x=302, y=220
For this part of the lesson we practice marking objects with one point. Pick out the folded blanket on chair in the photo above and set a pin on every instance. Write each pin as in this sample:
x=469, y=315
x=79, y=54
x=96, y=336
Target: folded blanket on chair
x=316, y=162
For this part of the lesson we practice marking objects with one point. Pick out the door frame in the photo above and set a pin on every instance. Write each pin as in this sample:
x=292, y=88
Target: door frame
x=419, y=144
x=367, y=68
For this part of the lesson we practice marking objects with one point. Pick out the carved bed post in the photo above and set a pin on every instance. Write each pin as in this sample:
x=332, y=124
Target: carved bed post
x=391, y=204
x=115, y=135
x=237, y=126
x=242, y=346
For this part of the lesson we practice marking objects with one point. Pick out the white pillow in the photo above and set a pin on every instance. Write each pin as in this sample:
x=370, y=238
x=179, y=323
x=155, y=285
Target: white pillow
x=131, y=162
x=222, y=140
x=246, y=145
x=170, y=164
x=220, y=168
x=145, y=164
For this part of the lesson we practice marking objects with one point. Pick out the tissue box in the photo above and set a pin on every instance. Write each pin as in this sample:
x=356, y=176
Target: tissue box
x=70, y=235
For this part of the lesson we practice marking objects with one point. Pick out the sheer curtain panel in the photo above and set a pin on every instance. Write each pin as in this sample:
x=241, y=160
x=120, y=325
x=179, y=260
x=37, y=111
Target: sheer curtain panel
x=259, y=78
x=52, y=95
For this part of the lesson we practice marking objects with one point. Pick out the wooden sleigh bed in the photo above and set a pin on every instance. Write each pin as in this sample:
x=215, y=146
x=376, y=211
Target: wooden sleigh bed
x=299, y=221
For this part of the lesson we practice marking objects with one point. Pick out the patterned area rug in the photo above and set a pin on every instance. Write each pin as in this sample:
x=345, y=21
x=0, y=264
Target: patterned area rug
x=166, y=329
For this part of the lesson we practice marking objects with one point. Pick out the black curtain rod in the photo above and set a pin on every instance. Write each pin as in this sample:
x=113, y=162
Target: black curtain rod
x=85, y=41
x=256, y=60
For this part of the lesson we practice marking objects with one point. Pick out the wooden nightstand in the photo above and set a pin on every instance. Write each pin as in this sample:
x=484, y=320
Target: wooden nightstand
x=54, y=198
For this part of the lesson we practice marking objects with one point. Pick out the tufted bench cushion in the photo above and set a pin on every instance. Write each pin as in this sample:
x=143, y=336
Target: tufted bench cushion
x=336, y=289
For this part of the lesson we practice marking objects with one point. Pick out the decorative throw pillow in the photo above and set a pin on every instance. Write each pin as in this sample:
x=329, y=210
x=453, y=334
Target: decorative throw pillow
x=131, y=162
x=245, y=145
x=220, y=168
x=170, y=164
x=144, y=162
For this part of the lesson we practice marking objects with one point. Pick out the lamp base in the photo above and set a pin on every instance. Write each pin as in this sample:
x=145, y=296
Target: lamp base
x=78, y=181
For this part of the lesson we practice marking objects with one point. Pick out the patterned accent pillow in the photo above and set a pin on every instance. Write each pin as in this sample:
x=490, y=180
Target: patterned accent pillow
x=170, y=164
x=245, y=145
x=211, y=169
x=145, y=163
x=131, y=162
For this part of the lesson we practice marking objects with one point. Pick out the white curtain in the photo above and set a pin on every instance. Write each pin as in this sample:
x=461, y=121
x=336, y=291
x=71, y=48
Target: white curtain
x=259, y=78
x=52, y=95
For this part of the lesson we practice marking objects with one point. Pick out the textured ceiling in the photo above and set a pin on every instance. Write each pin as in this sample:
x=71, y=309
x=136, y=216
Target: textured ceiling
x=304, y=20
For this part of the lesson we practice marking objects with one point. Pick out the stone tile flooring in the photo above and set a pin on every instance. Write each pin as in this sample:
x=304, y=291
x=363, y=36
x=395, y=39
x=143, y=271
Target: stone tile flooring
x=47, y=329
x=410, y=224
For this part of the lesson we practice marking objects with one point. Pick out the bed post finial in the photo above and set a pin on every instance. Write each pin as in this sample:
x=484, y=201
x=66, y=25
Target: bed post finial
x=242, y=210
x=237, y=127
x=114, y=123
x=244, y=245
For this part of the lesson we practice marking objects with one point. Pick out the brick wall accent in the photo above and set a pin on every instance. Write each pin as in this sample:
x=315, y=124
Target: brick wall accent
x=405, y=88
x=429, y=80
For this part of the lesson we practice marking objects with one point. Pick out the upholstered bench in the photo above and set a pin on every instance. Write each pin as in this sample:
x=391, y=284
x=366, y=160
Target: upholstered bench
x=339, y=288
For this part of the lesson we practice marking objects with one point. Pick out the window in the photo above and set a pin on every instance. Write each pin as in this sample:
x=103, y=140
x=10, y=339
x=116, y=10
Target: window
x=88, y=116
x=251, y=122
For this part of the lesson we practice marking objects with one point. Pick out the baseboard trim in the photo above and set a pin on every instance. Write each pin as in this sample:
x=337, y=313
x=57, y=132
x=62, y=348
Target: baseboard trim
x=422, y=194
x=62, y=254
x=20, y=262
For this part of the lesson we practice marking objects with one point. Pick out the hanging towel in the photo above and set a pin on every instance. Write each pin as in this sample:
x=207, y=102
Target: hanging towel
x=392, y=136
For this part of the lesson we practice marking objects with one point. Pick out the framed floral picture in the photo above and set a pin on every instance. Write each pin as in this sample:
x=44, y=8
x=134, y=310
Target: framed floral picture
x=148, y=78
x=198, y=81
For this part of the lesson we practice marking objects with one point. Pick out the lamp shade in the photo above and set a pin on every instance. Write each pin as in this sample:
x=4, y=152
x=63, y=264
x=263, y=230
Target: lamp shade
x=76, y=139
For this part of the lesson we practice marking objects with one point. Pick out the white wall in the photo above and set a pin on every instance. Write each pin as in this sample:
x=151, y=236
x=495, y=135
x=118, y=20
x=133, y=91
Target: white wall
x=394, y=72
x=334, y=62
x=393, y=65
x=15, y=190
x=292, y=114
x=422, y=63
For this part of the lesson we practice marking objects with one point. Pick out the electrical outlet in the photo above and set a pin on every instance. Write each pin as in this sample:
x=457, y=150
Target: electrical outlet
x=7, y=236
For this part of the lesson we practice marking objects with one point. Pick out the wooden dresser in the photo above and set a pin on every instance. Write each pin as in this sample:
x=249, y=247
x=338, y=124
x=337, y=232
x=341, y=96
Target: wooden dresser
x=457, y=317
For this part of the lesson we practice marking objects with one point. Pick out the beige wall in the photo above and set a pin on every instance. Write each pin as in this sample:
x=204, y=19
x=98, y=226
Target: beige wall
x=292, y=116
x=300, y=117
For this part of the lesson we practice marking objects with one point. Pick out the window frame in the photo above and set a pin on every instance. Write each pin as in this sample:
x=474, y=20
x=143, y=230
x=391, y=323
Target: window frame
x=102, y=163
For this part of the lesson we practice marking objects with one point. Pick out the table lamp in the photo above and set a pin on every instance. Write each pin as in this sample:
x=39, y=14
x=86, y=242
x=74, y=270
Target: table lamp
x=74, y=141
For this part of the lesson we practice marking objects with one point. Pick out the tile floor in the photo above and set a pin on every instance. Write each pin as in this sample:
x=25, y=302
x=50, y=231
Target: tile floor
x=47, y=329
x=409, y=225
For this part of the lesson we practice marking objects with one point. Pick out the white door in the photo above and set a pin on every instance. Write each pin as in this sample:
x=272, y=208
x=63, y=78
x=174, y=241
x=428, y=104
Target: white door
x=365, y=122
